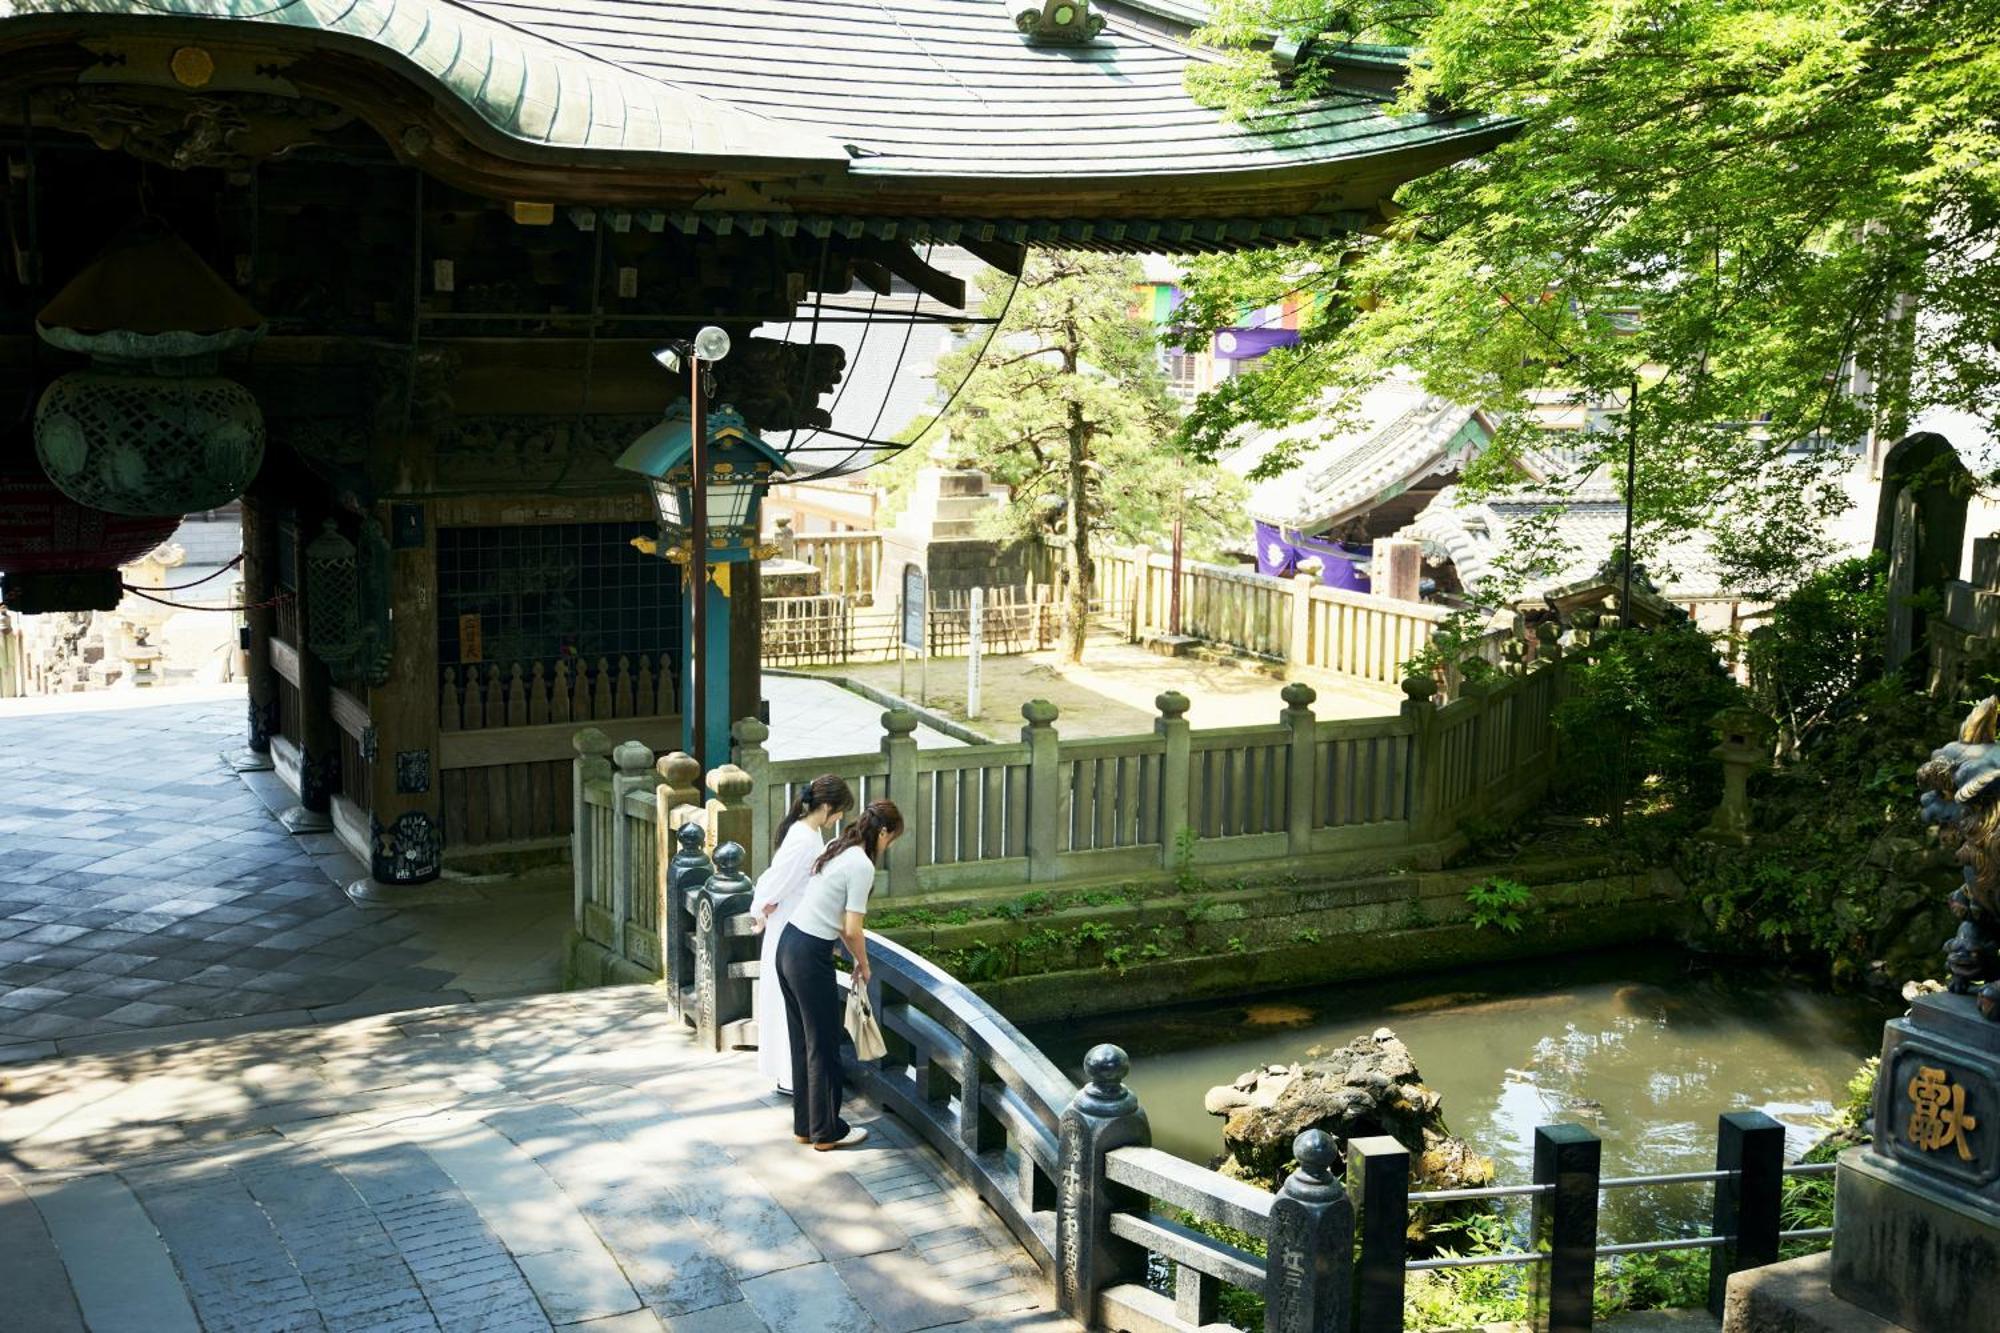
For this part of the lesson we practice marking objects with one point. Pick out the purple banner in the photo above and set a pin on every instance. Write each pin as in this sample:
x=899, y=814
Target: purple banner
x=1248, y=344
x=1343, y=565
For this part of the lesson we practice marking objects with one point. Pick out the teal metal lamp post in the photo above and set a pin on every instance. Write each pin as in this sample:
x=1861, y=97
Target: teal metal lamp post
x=708, y=472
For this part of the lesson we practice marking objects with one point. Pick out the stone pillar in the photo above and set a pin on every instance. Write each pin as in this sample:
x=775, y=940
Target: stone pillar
x=1564, y=1226
x=1298, y=644
x=719, y=998
x=689, y=870
x=1142, y=573
x=1044, y=790
x=899, y=749
x=1749, y=1203
x=592, y=764
x=634, y=764
x=680, y=778
x=729, y=817
x=1172, y=728
x=1309, y=1266
x=1427, y=820
x=1102, y=1117
x=1302, y=790
x=260, y=585
x=750, y=735
x=1378, y=1177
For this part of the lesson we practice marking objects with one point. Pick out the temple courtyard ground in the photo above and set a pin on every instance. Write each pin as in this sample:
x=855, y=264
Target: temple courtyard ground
x=147, y=892
x=1111, y=692
x=566, y=1161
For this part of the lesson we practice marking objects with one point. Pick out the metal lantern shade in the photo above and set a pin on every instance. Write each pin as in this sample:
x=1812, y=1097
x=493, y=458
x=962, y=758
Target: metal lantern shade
x=149, y=428
x=333, y=602
x=740, y=466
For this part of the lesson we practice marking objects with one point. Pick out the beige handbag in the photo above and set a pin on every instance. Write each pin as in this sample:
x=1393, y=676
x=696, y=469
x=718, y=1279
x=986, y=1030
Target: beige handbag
x=861, y=1025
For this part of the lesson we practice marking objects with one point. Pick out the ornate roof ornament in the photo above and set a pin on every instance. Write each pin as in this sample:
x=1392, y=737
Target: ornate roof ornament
x=1059, y=23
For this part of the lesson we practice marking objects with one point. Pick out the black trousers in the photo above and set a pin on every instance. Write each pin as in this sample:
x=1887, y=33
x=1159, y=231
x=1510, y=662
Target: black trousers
x=813, y=1019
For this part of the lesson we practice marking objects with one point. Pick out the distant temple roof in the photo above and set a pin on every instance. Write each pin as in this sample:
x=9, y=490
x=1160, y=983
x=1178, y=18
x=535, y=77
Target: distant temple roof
x=938, y=112
x=1401, y=437
x=1586, y=534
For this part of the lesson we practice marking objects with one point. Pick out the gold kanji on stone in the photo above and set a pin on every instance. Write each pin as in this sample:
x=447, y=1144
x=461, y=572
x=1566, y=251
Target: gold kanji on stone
x=1937, y=1113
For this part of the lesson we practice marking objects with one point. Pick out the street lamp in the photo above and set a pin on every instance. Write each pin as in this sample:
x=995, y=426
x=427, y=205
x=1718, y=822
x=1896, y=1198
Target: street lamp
x=708, y=472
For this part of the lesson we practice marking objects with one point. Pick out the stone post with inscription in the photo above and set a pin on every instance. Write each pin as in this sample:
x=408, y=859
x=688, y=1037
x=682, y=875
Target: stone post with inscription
x=720, y=999
x=1309, y=1265
x=1102, y=1117
x=689, y=870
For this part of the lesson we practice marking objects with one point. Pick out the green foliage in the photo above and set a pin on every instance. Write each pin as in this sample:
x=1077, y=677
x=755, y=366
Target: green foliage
x=1306, y=935
x=1639, y=710
x=1075, y=357
x=1499, y=902
x=1186, y=878
x=1733, y=195
x=1808, y=1200
x=1819, y=644
x=1822, y=886
x=1666, y=1280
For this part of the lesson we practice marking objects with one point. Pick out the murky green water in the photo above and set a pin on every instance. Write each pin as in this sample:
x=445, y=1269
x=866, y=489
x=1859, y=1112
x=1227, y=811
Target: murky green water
x=1646, y=1048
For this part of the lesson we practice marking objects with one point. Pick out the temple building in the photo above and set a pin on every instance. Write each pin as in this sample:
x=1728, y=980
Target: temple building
x=392, y=274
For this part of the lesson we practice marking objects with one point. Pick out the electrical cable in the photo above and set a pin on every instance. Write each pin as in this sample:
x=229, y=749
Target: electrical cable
x=180, y=606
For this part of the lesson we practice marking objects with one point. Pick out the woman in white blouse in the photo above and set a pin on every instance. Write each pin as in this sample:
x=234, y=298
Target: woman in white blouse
x=833, y=907
x=801, y=837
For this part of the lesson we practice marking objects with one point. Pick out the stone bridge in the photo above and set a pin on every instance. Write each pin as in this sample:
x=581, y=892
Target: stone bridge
x=570, y=1161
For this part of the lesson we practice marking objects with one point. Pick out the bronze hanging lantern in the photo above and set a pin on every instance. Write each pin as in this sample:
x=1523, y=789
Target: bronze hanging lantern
x=333, y=600
x=150, y=428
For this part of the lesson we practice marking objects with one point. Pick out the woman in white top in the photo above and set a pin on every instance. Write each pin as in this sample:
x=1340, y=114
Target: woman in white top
x=800, y=839
x=833, y=907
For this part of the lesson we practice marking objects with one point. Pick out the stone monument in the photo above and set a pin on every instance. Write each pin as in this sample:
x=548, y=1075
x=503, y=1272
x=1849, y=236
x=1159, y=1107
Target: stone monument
x=940, y=531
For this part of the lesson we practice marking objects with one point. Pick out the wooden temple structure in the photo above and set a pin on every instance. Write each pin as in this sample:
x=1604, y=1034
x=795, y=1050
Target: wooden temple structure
x=392, y=272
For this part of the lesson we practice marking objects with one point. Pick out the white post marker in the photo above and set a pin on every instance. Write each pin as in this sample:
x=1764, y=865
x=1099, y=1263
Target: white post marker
x=974, y=633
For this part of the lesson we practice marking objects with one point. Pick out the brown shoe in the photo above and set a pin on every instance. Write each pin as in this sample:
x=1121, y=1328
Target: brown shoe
x=856, y=1135
x=800, y=1138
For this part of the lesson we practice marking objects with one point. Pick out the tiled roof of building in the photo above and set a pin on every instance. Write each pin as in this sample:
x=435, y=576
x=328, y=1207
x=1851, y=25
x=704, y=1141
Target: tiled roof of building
x=1585, y=534
x=905, y=108
x=1401, y=435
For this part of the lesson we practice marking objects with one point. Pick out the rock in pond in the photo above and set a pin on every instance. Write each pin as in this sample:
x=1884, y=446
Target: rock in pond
x=1369, y=1086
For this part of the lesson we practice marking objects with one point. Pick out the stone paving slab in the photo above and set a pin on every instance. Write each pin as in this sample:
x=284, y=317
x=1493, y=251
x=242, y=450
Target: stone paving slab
x=564, y=1161
x=147, y=893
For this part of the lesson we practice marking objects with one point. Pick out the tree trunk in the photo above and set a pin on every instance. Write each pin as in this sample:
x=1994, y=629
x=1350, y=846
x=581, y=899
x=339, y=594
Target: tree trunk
x=1081, y=569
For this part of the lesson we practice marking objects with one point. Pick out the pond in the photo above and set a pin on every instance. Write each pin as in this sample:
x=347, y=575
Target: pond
x=1645, y=1047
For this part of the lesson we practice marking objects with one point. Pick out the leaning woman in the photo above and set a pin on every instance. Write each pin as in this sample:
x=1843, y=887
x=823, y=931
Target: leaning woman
x=801, y=838
x=834, y=906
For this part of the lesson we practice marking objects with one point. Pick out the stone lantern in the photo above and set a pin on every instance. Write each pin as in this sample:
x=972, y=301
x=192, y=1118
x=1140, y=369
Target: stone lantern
x=150, y=428
x=1744, y=746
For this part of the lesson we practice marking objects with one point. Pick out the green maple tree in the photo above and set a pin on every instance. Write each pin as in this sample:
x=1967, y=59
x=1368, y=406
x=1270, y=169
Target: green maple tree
x=1779, y=215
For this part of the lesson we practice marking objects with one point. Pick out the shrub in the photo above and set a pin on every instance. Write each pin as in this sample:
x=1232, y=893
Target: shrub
x=1499, y=902
x=1820, y=645
x=1639, y=709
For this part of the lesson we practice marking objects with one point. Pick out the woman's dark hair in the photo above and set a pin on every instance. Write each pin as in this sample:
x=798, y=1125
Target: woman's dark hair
x=877, y=818
x=829, y=790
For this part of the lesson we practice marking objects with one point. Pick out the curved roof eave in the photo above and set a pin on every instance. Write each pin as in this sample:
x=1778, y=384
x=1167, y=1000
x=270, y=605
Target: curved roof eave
x=528, y=93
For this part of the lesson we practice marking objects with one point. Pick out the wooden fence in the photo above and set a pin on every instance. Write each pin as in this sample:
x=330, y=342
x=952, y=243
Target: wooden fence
x=504, y=749
x=834, y=628
x=1047, y=810
x=1071, y=1171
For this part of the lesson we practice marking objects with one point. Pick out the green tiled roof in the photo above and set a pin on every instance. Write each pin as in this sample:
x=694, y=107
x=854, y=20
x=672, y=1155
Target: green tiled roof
x=530, y=88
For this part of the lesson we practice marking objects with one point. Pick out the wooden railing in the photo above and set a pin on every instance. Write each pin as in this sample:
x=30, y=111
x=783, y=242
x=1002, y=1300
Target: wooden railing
x=1113, y=1223
x=834, y=628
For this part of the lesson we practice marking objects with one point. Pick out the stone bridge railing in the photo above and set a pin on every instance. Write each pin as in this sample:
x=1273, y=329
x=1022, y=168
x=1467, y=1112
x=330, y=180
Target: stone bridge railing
x=1112, y=1221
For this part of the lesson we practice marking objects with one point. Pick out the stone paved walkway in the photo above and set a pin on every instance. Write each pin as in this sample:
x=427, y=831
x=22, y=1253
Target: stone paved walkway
x=147, y=892
x=567, y=1161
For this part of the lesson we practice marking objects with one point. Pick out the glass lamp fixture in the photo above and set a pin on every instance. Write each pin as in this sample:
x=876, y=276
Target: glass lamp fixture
x=740, y=466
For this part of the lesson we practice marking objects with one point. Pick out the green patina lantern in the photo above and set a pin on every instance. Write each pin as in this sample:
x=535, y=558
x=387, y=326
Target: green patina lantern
x=150, y=428
x=347, y=602
x=740, y=468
